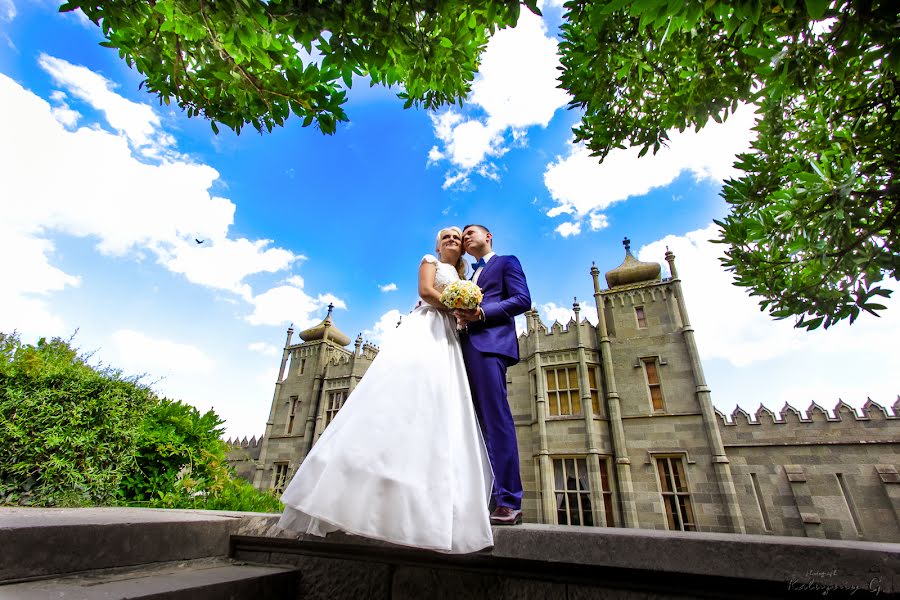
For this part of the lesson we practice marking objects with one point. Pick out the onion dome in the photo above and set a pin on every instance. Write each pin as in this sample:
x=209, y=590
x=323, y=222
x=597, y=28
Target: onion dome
x=325, y=329
x=632, y=271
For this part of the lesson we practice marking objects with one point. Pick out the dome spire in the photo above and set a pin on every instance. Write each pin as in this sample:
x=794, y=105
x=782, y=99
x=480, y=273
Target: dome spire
x=632, y=270
x=325, y=330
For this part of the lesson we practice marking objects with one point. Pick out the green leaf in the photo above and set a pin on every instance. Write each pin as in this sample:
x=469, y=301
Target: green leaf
x=816, y=8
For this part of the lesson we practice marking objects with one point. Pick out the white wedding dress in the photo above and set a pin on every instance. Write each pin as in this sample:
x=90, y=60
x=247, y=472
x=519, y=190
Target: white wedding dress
x=404, y=460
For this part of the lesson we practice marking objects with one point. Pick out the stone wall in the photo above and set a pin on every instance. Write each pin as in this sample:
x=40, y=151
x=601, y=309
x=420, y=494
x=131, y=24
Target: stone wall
x=818, y=474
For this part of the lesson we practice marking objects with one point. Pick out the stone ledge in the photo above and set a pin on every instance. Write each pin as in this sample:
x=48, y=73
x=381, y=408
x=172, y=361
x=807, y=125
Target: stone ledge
x=586, y=553
x=38, y=543
x=55, y=541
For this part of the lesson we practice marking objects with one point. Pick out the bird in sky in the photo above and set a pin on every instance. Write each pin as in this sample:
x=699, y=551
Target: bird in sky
x=199, y=241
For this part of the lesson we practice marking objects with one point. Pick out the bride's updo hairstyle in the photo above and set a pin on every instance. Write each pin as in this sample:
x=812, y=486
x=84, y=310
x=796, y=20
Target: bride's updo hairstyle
x=461, y=263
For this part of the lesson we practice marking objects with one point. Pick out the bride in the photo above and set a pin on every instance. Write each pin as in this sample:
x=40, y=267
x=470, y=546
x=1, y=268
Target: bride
x=404, y=461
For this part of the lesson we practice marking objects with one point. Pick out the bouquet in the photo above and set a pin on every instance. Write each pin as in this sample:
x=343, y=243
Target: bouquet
x=461, y=294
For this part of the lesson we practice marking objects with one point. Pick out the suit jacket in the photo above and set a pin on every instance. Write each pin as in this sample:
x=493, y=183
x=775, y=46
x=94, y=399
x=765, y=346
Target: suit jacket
x=506, y=295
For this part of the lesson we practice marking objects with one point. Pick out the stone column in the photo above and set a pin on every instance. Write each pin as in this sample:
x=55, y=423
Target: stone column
x=620, y=450
x=704, y=399
x=545, y=465
x=259, y=474
x=354, y=379
x=587, y=408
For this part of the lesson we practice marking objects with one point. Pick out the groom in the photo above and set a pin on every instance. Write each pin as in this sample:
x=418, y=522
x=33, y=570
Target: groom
x=489, y=347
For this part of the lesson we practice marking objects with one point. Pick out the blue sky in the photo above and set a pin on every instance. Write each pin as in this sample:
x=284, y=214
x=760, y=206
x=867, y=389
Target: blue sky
x=103, y=191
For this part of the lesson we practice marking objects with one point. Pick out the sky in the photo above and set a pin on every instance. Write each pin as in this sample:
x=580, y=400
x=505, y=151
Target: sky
x=103, y=193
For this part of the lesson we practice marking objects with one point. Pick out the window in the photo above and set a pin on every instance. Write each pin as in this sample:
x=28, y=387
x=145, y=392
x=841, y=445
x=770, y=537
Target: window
x=675, y=494
x=302, y=365
x=562, y=391
x=595, y=392
x=651, y=370
x=281, y=471
x=335, y=402
x=295, y=404
x=641, y=317
x=573, y=493
x=607, y=492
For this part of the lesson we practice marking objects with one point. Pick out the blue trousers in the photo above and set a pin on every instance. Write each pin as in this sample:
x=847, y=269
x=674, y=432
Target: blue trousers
x=487, y=380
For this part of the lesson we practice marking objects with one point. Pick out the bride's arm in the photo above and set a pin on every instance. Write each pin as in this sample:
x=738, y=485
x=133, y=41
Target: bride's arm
x=426, y=285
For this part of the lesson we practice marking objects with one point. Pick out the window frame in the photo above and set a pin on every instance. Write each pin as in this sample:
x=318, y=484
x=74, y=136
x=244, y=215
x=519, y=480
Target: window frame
x=653, y=360
x=330, y=410
x=676, y=503
x=295, y=403
x=640, y=318
x=279, y=476
x=553, y=397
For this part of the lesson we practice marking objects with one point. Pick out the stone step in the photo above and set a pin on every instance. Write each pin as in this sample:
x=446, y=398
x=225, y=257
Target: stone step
x=204, y=579
x=52, y=542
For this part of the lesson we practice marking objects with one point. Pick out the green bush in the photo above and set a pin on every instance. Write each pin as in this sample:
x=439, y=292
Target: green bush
x=68, y=429
x=77, y=435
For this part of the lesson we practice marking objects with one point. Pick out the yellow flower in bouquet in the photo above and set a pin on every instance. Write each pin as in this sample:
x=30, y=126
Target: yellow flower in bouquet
x=461, y=294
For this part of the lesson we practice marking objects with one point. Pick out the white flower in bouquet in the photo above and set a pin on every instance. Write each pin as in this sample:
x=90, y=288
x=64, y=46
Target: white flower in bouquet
x=463, y=294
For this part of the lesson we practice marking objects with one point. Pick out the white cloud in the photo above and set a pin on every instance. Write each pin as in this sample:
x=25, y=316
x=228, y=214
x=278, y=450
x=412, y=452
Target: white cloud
x=138, y=353
x=598, y=221
x=516, y=88
x=99, y=189
x=389, y=287
x=569, y=229
x=7, y=10
x=518, y=76
x=580, y=185
x=265, y=349
x=290, y=304
x=225, y=263
x=28, y=277
x=385, y=325
x=137, y=121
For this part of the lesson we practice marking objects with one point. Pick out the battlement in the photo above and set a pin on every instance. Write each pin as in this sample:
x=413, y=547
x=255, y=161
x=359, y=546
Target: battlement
x=871, y=410
x=816, y=425
x=535, y=326
x=250, y=444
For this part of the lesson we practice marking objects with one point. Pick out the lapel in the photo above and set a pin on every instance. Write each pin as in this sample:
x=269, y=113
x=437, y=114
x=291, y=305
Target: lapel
x=488, y=267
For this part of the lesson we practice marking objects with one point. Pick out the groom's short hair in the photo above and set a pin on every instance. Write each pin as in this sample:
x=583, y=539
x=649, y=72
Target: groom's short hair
x=482, y=227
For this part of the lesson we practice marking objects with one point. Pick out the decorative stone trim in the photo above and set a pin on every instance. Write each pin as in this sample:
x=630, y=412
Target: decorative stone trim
x=888, y=473
x=795, y=473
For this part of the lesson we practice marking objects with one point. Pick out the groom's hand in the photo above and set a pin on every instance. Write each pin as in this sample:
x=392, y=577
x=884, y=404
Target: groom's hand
x=469, y=315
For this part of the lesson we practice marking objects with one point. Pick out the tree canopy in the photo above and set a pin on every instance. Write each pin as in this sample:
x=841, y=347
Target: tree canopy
x=240, y=62
x=813, y=227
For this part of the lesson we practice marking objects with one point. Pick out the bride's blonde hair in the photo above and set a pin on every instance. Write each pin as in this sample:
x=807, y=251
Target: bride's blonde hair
x=461, y=263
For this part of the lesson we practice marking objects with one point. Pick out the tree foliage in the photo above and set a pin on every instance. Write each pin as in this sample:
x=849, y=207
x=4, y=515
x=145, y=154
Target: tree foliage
x=241, y=62
x=814, y=219
x=813, y=227
x=77, y=435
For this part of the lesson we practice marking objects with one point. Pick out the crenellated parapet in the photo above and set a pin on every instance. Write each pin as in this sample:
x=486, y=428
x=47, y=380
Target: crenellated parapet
x=815, y=425
x=557, y=336
x=244, y=443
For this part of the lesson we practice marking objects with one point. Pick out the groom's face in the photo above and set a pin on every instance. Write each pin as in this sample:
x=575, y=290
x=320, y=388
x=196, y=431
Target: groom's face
x=476, y=241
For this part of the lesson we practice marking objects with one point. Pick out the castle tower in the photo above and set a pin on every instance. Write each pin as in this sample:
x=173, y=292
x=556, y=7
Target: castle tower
x=314, y=380
x=653, y=373
x=615, y=422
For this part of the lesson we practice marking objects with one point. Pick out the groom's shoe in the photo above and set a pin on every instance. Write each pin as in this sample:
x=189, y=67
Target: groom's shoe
x=504, y=515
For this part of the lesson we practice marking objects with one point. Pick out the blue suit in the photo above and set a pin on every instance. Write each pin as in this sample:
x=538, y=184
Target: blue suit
x=490, y=347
